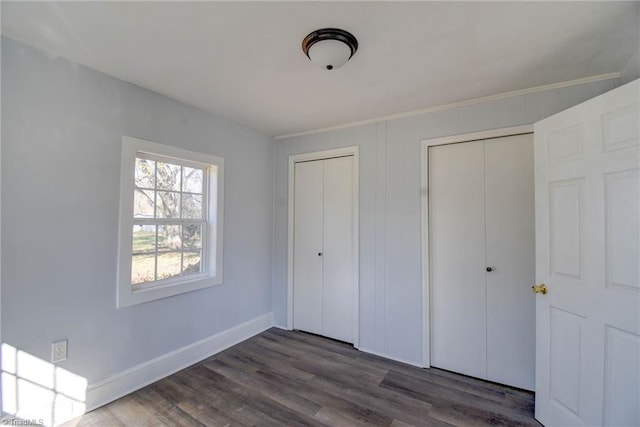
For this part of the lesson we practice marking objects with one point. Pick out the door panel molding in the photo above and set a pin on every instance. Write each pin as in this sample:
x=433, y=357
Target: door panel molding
x=322, y=155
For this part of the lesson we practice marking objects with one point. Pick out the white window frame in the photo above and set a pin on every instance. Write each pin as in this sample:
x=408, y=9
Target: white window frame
x=129, y=294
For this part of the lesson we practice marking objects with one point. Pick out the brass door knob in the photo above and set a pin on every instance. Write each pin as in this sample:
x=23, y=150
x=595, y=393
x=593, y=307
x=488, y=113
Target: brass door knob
x=539, y=289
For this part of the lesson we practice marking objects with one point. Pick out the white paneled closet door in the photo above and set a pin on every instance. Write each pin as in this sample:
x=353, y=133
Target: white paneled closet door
x=456, y=237
x=307, y=238
x=481, y=229
x=323, y=275
x=510, y=249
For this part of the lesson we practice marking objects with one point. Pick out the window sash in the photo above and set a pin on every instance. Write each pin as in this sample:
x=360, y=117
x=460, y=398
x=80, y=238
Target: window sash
x=204, y=232
x=135, y=187
x=180, y=278
x=203, y=223
x=182, y=163
x=165, y=159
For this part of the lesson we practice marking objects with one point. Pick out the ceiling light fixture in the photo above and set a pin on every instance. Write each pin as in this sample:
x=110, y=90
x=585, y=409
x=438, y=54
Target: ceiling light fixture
x=329, y=48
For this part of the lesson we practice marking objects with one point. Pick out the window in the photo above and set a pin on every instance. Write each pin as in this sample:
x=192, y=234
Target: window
x=170, y=221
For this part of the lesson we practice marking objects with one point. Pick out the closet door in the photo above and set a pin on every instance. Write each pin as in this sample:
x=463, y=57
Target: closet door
x=323, y=275
x=457, y=260
x=510, y=245
x=307, y=259
x=337, y=303
x=481, y=230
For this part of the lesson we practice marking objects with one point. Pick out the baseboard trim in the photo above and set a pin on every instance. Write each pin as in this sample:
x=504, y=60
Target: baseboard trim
x=115, y=386
x=397, y=359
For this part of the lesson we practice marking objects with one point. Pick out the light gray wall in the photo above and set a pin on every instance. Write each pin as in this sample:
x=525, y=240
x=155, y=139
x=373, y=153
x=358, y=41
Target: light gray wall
x=631, y=71
x=390, y=228
x=62, y=126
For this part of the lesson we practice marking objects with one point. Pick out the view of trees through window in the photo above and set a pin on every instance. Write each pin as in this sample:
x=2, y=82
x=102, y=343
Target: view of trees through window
x=169, y=220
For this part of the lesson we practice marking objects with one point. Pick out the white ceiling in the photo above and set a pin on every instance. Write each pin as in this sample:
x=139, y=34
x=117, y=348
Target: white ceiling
x=243, y=60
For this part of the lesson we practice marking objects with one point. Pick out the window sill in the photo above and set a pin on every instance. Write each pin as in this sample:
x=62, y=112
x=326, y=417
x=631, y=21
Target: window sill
x=152, y=293
x=174, y=281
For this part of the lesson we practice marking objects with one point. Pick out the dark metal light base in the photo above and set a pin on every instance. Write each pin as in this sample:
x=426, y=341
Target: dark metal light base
x=329, y=34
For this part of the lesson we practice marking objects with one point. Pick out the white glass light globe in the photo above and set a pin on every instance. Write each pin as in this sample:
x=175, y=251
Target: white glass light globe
x=329, y=54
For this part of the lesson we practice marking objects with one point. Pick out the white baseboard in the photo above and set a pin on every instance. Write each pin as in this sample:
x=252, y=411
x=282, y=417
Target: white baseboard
x=109, y=389
x=386, y=356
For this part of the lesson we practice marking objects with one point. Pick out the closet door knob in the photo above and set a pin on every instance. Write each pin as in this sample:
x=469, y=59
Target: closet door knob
x=489, y=268
x=319, y=253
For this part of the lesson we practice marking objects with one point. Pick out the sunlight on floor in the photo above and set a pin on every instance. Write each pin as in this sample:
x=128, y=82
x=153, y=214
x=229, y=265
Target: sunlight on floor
x=37, y=391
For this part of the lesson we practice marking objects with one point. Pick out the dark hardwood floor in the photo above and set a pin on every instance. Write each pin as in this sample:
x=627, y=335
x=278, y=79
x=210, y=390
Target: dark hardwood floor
x=293, y=378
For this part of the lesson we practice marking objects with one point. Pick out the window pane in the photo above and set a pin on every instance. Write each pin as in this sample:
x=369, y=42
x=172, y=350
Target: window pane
x=143, y=204
x=144, y=238
x=168, y=176
x=192, y=237
x=191, y=263
x=169, y=237
x=169, y=265
x=168, y=205
x=143, y=268
x=145, y=173
x=193, y=180
x=191, y=206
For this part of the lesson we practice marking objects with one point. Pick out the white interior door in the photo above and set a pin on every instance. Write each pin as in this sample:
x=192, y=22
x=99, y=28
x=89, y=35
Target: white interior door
x=481, y=236
x=588, y=256
x=337, y=304
x=510, y=251
x=308, y=236
x=457, y=260
x=323, y=268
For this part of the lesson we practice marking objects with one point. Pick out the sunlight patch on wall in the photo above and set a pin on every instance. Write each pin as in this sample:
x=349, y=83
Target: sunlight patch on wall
x=37, y=391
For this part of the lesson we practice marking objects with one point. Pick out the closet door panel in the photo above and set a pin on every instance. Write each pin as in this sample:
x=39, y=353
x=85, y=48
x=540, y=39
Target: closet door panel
x=457, y=264
x=338, y=249
x=308, y=229
x=509, y=207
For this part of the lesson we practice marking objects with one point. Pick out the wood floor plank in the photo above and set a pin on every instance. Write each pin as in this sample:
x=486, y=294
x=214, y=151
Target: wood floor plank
x=455, y=387
x=383, y=401
x=290, y=399
x=207, y=415
x=264, y=361
x=332, y=416
x=99, y=417
x=327, y=398
x=164, y=410
x=267, y=406
x=450, y=379
x=234, y=408
x=452, y=405
x=293, y=378
x=130, y=413
x=317, y=341
x=346, y=409
x=306, y=350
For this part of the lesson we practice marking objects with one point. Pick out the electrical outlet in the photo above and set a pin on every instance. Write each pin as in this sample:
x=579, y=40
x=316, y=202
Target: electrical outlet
x=59, y=351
